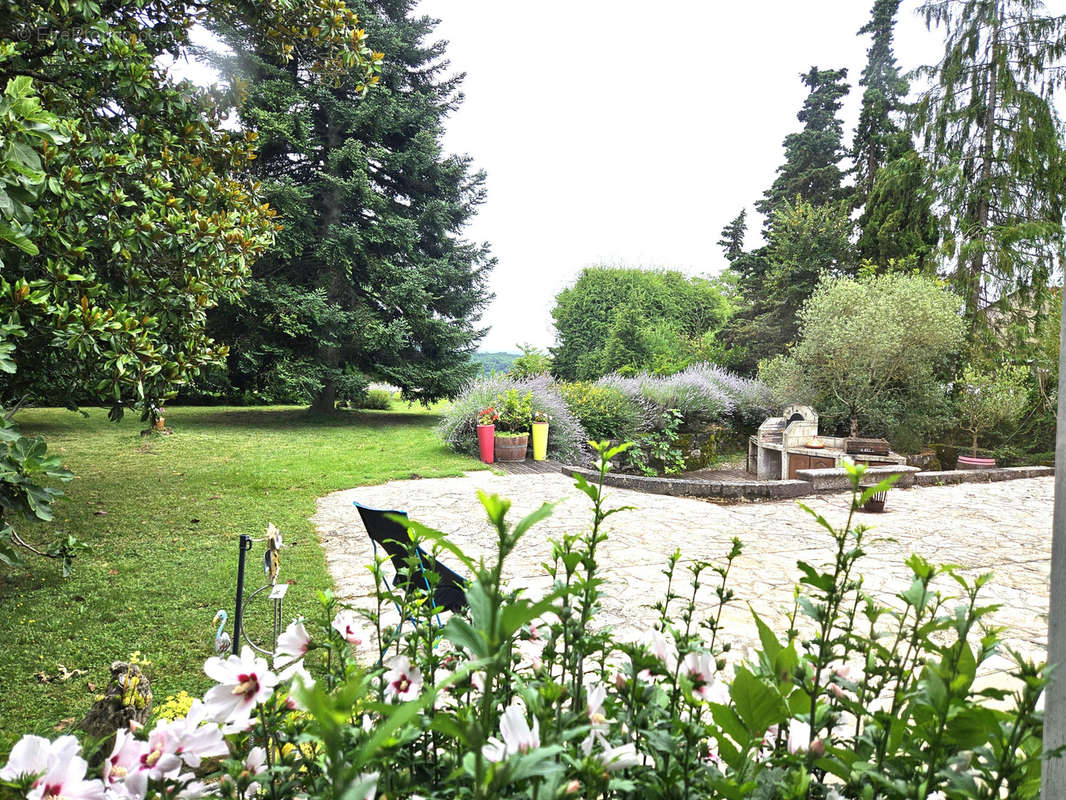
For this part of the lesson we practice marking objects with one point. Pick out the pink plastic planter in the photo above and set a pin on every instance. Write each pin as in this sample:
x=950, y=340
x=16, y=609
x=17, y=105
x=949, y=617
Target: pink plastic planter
x=486, y=443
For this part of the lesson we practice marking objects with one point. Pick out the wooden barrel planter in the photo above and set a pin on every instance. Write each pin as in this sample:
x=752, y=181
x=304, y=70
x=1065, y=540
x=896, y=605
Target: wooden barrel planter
x=969, y=462
x=511, y=448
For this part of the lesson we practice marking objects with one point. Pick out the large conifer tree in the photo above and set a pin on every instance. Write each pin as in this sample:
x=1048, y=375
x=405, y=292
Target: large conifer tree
x=891, y=180
x=370, y=277
x=812, y=155
x=991, y=131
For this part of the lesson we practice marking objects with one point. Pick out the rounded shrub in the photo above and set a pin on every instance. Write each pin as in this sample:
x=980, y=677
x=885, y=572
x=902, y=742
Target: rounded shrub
x=567, y=440
x=605, y=412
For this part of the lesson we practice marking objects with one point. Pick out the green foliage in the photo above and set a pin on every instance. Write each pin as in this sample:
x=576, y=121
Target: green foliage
x=876, y=348
x=515, y=411
x=992, y=135
x=657, y=452
x=144, y=219
x=531, y=363
x=525, y=696
x=24, y=467
x=377, y=399
x=458, y=425
x=990, y=398
x=897, y=222
x=490, y=363
x=604, y=411
x=370, y=272
x=732, y=241
x=812, y=155
x=162, y=515
x=634, y=320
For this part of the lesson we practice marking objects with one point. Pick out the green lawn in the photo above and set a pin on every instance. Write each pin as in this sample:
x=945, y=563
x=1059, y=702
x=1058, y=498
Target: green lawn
x=162, y=515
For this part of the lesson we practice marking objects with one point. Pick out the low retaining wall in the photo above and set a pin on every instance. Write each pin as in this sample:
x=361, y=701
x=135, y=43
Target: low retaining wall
x=837, y=479
x=816, y=481
x=691, y=487
x=980, y=475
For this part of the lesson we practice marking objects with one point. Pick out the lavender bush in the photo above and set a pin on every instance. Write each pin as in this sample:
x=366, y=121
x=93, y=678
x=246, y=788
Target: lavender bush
x=566, y=438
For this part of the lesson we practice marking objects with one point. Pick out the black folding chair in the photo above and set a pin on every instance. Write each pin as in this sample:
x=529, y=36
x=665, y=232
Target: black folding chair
x=450, y=591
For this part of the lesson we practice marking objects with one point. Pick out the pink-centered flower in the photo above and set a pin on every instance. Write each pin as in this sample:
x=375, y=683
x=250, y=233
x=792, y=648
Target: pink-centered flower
x=799, y=738
x=621, y=757
x=518, y=737
x=402, y=681
x=243, y=683
x=292, y=645
x=121, y=768
x=664, y=650
x=700, y=669
x=57, y=768
x=346, y=623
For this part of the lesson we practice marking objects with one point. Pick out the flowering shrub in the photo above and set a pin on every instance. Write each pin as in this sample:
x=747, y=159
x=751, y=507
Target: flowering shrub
x=566, y=438
x=605, y=412
x=703, y=393
x=521, y=697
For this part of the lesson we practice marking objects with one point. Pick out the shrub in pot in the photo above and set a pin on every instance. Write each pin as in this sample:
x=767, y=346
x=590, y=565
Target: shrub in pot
x=512, y=428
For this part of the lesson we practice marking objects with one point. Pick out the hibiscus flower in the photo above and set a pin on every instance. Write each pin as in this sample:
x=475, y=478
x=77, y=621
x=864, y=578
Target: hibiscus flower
x=518, y=737
x=402, y=681
x=243, y=683
x=346, y=623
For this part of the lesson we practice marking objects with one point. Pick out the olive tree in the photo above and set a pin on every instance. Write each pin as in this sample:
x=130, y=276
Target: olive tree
x=873, y=347
x=988, y=398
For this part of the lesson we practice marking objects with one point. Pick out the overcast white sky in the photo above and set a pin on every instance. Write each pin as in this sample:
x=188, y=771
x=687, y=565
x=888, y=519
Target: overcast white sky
x=616, y=132
x=625, y=133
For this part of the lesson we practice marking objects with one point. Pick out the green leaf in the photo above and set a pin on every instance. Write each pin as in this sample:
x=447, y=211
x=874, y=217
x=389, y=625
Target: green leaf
x=758, y=705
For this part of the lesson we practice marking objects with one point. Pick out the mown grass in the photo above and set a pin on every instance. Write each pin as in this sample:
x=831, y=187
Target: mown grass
x=162, y=515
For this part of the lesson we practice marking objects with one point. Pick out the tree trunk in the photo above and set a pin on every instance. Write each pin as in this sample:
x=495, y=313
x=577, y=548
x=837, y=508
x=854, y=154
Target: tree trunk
x=975, y=444
x=854, y=426
x=325, y=401
x=984, y=198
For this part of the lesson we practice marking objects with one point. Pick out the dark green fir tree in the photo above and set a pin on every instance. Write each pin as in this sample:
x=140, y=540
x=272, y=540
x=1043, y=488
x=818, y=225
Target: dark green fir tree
x=812, y=155
x=370, y=278
x=732, y=241
x=897, y=225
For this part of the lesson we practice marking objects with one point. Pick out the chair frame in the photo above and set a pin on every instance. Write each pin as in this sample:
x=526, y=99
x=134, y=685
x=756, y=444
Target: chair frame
x=399, y=553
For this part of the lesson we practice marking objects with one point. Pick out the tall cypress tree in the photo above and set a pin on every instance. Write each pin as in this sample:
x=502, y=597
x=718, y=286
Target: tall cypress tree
x=812, y=155
x=879, y=136
x=991, y=132
x=891, y=180
x=370, y=277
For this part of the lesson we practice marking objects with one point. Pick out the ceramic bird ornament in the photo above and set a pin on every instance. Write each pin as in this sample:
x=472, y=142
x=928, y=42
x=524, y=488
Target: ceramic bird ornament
x=272, y=556
x=223, y=644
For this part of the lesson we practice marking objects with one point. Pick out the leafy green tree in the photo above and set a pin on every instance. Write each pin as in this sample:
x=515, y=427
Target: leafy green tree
x=812, y=155
x=370, y=276
x=732, y=241
x=991, y=397
x=631, y=309
x=897, y=223
x=990, y=131
x=143, y=221
x=533, y=361
x=875, y=350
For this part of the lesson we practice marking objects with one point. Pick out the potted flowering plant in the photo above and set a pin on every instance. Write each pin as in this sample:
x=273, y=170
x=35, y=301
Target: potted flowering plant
x=486, y=430
x=512, y=428
x=540, y=435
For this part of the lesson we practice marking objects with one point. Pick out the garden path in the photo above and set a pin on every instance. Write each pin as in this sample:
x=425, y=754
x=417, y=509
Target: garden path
x=1002, y=527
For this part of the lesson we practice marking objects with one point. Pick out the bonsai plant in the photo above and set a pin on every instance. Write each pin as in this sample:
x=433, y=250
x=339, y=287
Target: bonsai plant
x=987, y=399
x=540, y=435
x=486, y=429
x=512, y=428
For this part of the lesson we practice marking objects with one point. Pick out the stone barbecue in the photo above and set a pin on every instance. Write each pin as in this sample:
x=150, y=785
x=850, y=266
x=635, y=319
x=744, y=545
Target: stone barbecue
x=791, y=442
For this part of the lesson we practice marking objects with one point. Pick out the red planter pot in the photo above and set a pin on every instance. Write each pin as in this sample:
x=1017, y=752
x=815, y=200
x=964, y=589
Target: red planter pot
x=486, y=444
x=969, y=462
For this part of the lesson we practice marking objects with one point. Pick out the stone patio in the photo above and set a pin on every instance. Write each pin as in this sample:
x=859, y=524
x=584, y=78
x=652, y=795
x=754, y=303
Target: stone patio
x=1001, y=527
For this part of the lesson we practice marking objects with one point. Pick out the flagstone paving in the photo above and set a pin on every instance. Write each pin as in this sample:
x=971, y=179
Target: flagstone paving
x=1003, y=528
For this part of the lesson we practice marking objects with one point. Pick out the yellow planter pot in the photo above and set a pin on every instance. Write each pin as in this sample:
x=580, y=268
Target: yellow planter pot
x=540, y=441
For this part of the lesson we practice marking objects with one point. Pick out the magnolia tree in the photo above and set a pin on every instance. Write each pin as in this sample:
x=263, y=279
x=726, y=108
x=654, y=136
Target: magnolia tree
x=869, y=344
x=523, y=698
